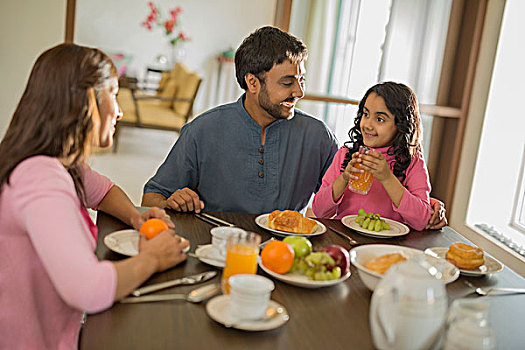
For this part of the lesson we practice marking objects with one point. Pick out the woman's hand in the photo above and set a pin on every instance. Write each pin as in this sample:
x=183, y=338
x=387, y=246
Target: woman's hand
x=166, y=249
x=153, y=213
x=375, y=163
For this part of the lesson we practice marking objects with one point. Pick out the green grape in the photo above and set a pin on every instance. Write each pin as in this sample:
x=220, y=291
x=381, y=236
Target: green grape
x=314, y=258
x=386, y=226
x=371, y=225
x=336, y=273
x=378, y=226
x=366, y=223
x=310, y=273
x=361, y=212
x=359, y=220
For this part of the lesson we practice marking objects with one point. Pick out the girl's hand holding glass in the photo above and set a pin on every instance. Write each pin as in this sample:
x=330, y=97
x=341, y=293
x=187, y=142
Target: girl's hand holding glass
x=351, y=171
x=375, y=163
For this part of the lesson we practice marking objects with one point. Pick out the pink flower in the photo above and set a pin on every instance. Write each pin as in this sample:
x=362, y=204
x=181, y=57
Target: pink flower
x=155, y=19
x=169, y=25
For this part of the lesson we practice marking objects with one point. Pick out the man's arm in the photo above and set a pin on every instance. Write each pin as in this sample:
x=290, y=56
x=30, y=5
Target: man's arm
x=183, y=199
x=438, y=218
x=152, y=199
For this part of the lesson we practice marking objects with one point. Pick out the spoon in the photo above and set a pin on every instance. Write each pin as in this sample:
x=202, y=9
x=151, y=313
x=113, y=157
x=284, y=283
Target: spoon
x=269, y=314
x=195, y=296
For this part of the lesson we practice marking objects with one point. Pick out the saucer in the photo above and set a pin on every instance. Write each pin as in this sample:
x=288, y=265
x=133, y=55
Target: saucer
x=218, y=309
x=126, y=242
x=209, y=255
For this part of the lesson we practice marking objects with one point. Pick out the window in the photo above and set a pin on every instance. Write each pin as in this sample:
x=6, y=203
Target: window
x=353, y=44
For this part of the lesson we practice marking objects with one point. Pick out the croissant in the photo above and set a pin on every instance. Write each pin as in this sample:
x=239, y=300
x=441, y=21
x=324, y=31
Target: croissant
x=291, y=221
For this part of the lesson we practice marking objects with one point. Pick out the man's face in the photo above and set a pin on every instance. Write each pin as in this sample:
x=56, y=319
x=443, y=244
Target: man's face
x=282, y=87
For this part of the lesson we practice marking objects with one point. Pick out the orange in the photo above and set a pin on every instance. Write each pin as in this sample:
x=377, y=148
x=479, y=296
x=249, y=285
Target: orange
x=153, y=227
x=278, y=256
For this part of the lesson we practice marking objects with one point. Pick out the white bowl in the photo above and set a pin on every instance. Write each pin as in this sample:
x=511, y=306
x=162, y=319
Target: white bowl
x=359, y=256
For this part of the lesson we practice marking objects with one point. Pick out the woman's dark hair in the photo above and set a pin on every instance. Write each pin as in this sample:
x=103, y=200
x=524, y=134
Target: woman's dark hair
x=264, y=48
x=54, y=115
x=402, y=103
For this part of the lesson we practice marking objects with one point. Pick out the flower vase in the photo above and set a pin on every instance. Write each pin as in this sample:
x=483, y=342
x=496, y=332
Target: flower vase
x=178, y=53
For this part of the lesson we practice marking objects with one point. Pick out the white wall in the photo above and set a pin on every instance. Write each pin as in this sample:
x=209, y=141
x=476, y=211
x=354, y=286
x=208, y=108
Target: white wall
x=27, y=28
x=213, y=25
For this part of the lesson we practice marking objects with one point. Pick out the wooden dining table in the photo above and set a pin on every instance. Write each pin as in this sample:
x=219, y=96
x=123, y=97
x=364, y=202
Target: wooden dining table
x=332, y=317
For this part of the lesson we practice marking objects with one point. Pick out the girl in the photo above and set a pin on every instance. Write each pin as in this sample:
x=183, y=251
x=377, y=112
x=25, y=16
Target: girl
x=387, y=122
x=48, y=270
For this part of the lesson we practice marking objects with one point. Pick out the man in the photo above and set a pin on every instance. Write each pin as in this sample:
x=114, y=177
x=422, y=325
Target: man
x=254, y=155
x=257, y=154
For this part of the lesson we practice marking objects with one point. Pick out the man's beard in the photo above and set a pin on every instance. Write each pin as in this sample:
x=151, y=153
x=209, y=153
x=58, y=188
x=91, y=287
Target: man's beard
x=271, y=108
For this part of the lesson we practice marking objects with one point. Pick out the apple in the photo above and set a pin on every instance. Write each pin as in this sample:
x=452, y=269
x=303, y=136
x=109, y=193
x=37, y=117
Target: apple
x=340, y=256
x=301, y=245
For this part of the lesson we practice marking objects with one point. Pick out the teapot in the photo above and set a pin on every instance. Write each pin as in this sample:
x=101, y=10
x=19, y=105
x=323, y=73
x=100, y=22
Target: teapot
x=409, y=307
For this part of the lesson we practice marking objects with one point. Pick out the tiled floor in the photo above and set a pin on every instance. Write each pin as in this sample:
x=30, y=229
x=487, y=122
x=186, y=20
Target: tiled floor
x=140, y=152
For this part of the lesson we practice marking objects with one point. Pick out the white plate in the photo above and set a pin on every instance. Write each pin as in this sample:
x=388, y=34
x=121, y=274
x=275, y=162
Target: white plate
x=126, y=242
x=218, y=309
x=298, y=280
x=491, y=265
x=396, y=228
x=262, y=221
x=209, y=255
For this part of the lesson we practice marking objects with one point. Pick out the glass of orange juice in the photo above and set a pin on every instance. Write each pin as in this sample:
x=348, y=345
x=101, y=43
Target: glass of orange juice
x=242, y=250
x=364, y=180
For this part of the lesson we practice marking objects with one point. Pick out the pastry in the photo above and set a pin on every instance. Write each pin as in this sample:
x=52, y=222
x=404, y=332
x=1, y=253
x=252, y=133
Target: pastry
x=291, y=221
x=382, y=263
x=465, y=256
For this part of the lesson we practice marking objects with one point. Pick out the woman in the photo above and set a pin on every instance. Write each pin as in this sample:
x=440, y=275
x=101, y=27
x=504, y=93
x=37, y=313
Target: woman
x=48, y=270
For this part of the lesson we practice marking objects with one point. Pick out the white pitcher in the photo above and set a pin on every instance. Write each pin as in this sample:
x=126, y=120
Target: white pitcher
x=409, y=307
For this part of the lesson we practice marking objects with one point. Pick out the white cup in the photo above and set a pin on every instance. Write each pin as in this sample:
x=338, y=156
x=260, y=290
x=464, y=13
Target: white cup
x=219, y=238
x=249, y=296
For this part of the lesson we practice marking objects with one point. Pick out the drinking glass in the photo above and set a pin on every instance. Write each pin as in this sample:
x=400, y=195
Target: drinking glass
x=242, y=250
x=364, y=180
x=469, y=326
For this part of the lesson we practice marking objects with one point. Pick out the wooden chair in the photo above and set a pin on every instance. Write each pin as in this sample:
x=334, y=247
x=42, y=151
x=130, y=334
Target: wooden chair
x=168, y=109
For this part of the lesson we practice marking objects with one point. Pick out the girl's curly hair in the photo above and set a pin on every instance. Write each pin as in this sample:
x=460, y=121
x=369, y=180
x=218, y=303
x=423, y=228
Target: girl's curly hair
x=402, y=103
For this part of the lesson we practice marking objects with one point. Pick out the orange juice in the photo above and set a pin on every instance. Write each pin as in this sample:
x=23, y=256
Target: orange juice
x=240, y=259
x=363, y=183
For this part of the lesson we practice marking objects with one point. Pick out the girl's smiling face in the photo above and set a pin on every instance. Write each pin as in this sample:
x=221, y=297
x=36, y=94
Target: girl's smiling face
x=377, y=123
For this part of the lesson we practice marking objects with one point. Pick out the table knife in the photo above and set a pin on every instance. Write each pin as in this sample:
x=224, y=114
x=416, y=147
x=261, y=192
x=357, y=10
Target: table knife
x=201, y=277
x=213, y=218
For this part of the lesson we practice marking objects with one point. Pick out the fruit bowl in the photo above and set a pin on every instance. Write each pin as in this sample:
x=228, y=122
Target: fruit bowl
x=359, y=256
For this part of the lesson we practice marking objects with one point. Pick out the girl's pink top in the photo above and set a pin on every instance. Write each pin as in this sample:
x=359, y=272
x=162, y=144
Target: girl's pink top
x=49, y=273
x=414, y=209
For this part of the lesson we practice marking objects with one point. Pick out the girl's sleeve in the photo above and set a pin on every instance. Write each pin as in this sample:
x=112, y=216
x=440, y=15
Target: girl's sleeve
x=48, y=209
x=323, y=205
x=96, y=186
x=415, y=204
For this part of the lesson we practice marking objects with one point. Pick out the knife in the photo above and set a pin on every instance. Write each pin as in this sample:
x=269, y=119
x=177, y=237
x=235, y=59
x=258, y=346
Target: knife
x=201, y=277
x=213, y=218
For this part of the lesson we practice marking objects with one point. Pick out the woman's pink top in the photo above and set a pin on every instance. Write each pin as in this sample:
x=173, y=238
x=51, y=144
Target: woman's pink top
x=49, y=273
x=414, y=209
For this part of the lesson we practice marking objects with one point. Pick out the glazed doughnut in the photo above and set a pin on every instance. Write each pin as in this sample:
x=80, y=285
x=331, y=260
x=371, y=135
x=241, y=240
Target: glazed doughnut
x=382, y=263
x=465, y=256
